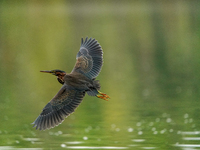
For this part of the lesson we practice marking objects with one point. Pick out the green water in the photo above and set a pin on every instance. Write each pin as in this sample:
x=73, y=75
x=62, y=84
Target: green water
x=151, y=72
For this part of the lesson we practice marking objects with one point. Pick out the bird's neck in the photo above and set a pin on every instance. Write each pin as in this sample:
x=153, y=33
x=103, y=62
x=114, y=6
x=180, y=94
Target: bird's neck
x=60, y=78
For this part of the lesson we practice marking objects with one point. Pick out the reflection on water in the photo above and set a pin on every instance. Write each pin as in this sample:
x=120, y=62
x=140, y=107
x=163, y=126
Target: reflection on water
x=151, y=71
x=144, y=135
x=188, y=137
x=191, y=138
x=74, y=142
x=184, y=146
x=92, y=147
x=12, y=148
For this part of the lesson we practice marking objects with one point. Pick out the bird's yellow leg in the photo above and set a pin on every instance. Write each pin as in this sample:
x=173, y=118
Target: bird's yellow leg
x=103, y=96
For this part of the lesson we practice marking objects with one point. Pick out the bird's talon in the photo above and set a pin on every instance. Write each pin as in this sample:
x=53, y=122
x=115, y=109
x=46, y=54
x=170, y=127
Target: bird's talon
x=103, y=96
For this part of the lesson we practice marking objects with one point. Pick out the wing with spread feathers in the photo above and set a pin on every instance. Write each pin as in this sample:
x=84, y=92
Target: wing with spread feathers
x=61, y=106
x=89, y=58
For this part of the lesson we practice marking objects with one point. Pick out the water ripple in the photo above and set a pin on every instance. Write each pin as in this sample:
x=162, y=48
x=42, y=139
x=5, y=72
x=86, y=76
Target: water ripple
x=92, y=147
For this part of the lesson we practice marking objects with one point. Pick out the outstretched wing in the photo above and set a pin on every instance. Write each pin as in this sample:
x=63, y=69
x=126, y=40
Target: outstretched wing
x=89, y=58
x=61, y=106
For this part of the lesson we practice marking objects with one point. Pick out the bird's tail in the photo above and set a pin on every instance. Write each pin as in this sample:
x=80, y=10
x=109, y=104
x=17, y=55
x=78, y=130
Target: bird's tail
x=94, y=90
x=96, y=84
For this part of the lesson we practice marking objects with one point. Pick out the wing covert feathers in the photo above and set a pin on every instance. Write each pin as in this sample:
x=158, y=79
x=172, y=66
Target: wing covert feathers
x=89, y=58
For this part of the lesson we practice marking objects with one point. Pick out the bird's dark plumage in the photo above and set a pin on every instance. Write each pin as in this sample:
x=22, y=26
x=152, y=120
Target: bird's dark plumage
x=80, y=80
x=61, y=106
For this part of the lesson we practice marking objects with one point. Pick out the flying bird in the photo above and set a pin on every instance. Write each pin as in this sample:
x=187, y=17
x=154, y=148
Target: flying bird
x=81, y=80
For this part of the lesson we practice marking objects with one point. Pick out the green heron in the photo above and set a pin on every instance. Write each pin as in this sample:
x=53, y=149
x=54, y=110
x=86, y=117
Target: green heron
x=75, y=84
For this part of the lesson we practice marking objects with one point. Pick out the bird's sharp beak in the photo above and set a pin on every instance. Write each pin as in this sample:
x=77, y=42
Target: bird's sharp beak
x=45, y=71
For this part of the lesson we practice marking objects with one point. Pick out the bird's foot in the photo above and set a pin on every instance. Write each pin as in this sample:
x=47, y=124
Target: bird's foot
x=103, y=96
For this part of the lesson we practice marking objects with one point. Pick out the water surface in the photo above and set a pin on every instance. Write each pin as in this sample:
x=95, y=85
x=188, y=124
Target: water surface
x=151, y=72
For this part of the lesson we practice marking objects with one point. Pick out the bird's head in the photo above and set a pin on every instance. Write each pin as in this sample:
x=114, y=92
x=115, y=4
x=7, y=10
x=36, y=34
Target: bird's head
x=59, y=73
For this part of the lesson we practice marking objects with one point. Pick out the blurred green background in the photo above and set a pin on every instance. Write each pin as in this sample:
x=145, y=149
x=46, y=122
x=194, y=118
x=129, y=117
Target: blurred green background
x=151, y=72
